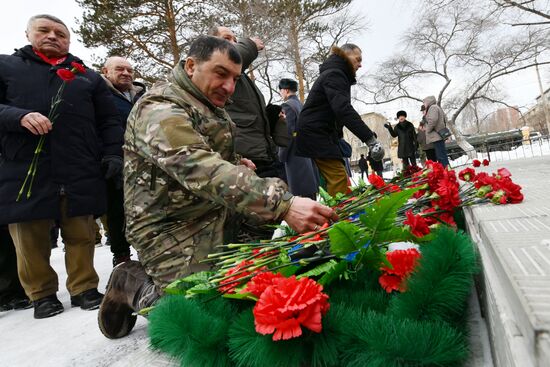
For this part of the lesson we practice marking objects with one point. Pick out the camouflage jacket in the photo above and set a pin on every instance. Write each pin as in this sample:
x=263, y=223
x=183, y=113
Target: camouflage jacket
x=182, y=181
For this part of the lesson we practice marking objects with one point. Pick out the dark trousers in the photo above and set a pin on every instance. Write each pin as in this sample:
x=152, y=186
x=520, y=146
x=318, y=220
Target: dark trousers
x=364, y=172
x=116, y=219
x=10, y=286
x=441, y=153
x=430, y=155
x=409, y=161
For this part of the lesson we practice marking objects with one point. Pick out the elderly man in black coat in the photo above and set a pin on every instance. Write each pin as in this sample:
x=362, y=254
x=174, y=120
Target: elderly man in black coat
x=326, y=111
x=119, y=76
x=82, y=149
x=405, y=133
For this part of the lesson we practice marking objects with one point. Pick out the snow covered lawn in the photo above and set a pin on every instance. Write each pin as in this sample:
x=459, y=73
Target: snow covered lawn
x=72, y=338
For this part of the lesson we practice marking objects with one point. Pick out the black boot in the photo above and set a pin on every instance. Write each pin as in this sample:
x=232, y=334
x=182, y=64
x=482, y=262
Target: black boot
x=16, y=303
x=47, y=307
x=87, y=300
x=129, y=290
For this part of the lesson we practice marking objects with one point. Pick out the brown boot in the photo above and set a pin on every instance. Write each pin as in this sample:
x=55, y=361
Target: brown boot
x=129, y=289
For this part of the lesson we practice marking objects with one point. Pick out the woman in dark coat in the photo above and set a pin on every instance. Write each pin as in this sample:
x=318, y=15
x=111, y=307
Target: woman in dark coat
x=405, y=133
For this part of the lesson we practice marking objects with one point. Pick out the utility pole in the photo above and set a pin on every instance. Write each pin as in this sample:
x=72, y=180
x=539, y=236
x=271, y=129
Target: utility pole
x=543, y=99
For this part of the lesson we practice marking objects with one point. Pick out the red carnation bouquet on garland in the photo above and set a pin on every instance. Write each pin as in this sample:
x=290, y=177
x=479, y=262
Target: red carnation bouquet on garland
x=285, y=276
x=66, y=75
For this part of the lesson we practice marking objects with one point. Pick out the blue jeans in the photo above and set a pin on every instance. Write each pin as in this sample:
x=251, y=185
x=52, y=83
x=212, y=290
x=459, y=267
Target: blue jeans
x=441, y=152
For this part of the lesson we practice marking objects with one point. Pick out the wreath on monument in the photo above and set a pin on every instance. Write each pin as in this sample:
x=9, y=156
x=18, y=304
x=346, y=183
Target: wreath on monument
x=386, y=285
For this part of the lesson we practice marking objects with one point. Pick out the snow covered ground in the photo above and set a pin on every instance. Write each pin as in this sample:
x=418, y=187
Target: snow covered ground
x=538, y=148
x=72, y=338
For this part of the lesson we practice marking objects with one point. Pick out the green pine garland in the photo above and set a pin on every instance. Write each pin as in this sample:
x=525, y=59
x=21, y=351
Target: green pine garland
x=364, y=327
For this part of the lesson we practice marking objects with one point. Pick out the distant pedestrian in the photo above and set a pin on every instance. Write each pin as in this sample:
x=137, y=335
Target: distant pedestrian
x=428, y=151
x=301, y=172
x=363, y=166
x=436, y=121
x=377, y=166
x=405, y=133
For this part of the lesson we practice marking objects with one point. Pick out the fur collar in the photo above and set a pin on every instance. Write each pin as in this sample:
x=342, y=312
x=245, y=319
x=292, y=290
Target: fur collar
x=335, y=50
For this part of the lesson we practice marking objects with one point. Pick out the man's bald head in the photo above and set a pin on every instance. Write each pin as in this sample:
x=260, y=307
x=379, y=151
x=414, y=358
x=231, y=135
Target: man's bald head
x=223, y=32
x=119, y=72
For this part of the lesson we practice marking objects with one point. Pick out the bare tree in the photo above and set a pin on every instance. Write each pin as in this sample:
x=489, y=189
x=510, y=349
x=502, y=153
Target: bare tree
x=461, y=53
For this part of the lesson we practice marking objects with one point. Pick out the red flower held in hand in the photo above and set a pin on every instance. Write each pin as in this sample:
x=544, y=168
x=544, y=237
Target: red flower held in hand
x=287, y=305
x=403, y=263
x=78, y=68
x=476, y=163
x=65, y=75
x=467, y=174
x=419, y=225
x=485, y=162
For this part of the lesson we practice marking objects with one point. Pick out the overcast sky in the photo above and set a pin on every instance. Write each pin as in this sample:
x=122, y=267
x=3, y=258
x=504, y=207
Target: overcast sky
x=388, y=19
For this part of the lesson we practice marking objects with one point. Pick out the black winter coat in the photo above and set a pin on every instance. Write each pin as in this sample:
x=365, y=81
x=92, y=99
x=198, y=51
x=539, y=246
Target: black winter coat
x=253, y=138
x=406, y=138
x=87, y=128
x=328, y=109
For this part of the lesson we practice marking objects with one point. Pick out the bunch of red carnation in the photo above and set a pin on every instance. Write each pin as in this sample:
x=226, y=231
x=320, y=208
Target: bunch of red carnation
x=403, y=264
x=498, y=187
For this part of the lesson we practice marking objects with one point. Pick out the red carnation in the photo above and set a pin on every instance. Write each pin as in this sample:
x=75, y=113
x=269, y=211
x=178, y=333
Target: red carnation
x=403, y=263
x=504, y=173
x=476, y=163
x=448, y=195
x=418, y=224
x=260, y=282
x=376, y=181
x=65, y=74
x=78, y=68
x=467, y=174
x=287, y=305
x=228, y=285
x=485, y=162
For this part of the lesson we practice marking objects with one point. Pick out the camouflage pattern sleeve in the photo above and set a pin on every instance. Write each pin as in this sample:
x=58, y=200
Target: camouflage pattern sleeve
x=180, y=143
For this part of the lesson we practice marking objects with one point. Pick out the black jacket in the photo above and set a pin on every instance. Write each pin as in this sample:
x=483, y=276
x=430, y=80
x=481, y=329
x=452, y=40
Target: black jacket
x=247, y=110
x=406, y=138
x=123, y=104
x=87, y=128
x=328, y=109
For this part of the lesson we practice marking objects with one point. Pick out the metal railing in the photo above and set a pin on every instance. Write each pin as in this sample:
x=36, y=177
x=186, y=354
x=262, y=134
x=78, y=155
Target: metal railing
x=517, y=149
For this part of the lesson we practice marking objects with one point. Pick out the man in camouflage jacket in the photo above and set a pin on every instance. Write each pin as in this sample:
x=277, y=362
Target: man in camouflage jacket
x=183, y=181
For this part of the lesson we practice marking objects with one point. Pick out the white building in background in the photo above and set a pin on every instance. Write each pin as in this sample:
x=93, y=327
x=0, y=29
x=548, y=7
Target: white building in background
x=534, y=117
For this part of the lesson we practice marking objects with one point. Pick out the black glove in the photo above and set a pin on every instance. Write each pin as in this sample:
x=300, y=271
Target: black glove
x=111, y=165
x=387, y=125
x=376, y=149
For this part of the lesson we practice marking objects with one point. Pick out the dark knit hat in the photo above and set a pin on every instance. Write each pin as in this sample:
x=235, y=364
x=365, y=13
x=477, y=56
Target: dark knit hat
x=401, y=113
x=288, y=84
